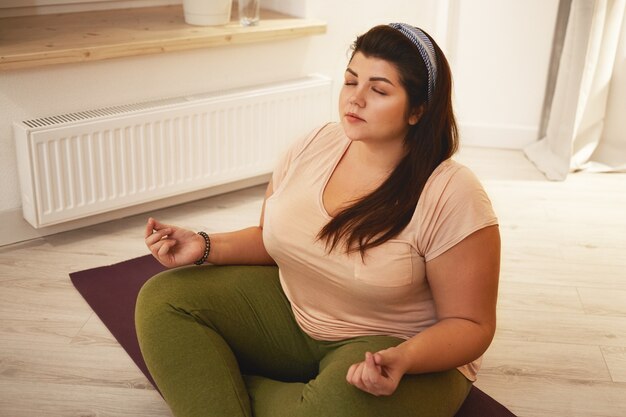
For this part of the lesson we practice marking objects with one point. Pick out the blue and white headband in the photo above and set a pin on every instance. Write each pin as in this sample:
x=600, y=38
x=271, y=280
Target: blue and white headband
x=426, y=49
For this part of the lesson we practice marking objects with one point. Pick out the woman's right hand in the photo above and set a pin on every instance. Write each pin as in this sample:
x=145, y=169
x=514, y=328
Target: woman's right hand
x=173, y=246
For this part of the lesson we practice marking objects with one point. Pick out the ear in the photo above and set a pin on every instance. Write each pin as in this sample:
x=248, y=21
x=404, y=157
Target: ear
x=416, y=115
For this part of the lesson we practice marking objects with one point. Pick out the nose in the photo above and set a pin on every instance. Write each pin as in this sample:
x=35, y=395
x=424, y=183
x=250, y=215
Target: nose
x=356, y=99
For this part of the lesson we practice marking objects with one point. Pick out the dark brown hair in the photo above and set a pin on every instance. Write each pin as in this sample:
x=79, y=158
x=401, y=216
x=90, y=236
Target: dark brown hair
x=385, y=212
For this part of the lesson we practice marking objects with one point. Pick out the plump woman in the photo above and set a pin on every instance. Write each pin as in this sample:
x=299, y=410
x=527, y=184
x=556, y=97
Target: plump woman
x=369, y=286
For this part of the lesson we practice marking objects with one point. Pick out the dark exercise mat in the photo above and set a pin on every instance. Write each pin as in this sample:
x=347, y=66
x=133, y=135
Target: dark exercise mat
x=112, y=290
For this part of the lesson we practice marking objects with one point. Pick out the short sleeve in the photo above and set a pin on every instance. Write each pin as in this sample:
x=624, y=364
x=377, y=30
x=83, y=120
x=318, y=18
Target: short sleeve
x=289, y=155
x=453, y=205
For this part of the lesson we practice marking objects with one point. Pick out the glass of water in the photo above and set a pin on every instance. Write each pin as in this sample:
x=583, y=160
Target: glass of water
x=249, y=11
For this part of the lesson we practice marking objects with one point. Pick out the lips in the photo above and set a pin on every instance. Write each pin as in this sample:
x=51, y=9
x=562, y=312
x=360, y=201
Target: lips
x=353, y=117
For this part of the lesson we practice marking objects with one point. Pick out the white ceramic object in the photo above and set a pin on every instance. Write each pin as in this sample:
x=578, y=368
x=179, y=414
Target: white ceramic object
x=207, y=12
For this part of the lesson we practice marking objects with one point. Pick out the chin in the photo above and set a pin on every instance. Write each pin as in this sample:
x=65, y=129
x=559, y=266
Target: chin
x=354, y=134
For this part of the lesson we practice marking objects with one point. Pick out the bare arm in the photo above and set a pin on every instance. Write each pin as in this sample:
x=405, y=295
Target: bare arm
x=174, y=246
x=464, y=283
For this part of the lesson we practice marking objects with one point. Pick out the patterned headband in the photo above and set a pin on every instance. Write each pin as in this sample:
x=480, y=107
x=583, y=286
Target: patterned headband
x=426, y=49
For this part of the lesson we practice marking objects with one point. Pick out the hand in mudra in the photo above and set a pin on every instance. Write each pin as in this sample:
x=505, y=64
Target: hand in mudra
x=380, y=372
x=173, y=246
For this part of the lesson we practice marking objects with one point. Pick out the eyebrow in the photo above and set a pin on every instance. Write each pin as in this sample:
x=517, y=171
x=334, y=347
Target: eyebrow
x=371, y=78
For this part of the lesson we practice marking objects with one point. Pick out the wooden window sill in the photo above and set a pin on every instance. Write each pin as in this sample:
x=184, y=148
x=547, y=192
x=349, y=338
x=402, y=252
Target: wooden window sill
x=34, y=41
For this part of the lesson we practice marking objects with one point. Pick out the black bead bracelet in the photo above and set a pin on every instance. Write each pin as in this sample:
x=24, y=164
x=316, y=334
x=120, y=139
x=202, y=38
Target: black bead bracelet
x=207, y=248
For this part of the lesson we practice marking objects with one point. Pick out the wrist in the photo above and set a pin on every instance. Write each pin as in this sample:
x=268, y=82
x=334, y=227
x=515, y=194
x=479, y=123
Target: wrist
x=206, y=245
x=406, y=354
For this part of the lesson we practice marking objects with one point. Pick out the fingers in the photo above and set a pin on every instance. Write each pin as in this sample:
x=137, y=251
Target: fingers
x=372, y=373
x=158, y=225
x=166, y=245
x=149, y=228
x=354, y=373
x=157, y=235
x=371, y=377
x=366, y=375
x=153, y=225
x=161, y=238
x=162, y=252
x=156, y=239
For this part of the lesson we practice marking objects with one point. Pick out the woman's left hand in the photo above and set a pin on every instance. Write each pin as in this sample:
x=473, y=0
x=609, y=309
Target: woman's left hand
x=380, y=372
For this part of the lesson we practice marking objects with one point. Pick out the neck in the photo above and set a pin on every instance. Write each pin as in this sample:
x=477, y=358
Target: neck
x=379, y=157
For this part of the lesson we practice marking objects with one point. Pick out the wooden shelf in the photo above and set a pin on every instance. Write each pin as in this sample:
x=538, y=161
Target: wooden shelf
x=33, y=41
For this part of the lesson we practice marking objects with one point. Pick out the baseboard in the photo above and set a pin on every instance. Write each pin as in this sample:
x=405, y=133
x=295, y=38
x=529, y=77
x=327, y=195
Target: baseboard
x=497, y=136
x=14, y=229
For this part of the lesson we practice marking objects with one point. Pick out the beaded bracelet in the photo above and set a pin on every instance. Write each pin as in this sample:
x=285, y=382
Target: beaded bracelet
x=207, y=248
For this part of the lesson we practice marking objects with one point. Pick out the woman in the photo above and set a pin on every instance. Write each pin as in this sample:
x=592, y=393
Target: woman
x=387, y=251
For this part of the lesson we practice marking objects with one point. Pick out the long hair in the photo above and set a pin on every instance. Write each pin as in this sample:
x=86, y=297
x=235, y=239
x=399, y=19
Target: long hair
x=381, y=215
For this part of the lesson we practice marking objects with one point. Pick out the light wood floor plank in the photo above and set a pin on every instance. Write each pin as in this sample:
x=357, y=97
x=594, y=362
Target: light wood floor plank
x=39, y=332
x=615, y=357
x=549, y=360
x=23, y=361
x=94, y=332
x=537, y=297
x=42, y=399
x=41, y=299
x=603, y=302
x=548, y=397
x=569, y=328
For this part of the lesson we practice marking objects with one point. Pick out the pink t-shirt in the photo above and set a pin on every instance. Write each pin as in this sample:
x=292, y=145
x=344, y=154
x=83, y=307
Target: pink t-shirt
x=338, y=296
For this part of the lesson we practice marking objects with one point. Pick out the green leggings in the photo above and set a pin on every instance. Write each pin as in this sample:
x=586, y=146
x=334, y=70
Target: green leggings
x=222, y=341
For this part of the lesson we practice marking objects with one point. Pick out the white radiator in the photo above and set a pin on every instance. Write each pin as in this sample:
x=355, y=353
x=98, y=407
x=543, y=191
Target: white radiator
x=82, y=164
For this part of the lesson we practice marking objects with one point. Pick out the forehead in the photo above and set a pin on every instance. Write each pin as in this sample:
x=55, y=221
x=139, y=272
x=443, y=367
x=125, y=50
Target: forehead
x=366, y=66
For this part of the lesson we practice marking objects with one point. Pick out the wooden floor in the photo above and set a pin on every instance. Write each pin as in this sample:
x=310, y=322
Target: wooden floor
x=560, y=348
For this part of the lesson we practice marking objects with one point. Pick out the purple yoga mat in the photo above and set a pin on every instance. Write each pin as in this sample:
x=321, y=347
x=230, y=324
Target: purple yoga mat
x=112, y=290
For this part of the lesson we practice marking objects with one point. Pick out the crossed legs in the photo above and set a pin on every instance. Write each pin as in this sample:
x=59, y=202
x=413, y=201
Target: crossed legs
x=222, y=341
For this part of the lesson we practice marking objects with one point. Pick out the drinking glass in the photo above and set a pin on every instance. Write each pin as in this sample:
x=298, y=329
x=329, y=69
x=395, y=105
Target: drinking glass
x=249, y=11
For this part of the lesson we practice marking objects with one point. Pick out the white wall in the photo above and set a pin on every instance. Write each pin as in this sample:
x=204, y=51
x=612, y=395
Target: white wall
x=499, y=68
x=501, y=52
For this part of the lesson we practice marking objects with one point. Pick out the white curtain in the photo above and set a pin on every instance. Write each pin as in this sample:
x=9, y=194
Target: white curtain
x=587, y=124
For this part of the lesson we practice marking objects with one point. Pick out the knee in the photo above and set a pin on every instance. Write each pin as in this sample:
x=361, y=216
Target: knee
x=154, y=289
x=154, y=297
